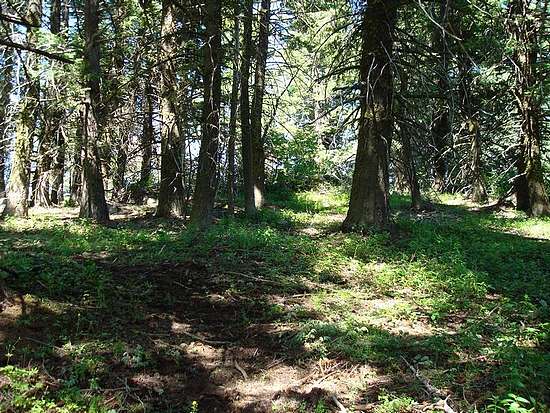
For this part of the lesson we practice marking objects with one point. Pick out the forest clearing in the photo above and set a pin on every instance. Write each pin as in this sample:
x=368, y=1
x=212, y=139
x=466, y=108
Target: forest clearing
x=294, y=206
x=281, y=314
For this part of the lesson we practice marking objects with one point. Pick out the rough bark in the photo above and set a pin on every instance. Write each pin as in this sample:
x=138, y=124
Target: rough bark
x=234, y=109
x=525, y=28
x=18, y=184
x=369, y=201
x=246, y=131
x=441, y=121
x=258, y=144
x=171, y=200
x=205, y=187
x=92, y=202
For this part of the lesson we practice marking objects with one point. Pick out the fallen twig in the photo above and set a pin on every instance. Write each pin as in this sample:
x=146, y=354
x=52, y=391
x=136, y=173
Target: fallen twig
x=433, y=391
x=204, y=340
x=339, y=405
x=240, y=369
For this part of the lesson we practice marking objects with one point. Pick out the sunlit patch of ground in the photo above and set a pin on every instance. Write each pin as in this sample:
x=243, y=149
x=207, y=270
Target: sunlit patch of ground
x=283, y=314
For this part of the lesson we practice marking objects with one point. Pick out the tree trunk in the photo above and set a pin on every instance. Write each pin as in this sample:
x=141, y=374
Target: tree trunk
x=369, y=201
x=246, y=130
x=171, y=195
x=51, y=157
x=205, y=188
x=76, y=173
x=258, y=145
x=231, y=170
x=525, y=28
x=441, y=123
x=147, y=140
x=5, y=90
x=18, y=184
x=478, y=192
x=92, y=202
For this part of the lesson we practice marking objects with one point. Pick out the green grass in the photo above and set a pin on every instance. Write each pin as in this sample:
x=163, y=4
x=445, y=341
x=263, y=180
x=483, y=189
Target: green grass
x=463, y=295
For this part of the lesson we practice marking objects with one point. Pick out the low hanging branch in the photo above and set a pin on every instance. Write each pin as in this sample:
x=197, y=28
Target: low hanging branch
x=20, y=46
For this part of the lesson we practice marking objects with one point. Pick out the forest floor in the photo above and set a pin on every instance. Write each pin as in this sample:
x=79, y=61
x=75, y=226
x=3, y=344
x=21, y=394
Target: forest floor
x=283, y=314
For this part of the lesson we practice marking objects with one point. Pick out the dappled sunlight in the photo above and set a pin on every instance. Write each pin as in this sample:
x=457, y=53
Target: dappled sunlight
x=148, y=311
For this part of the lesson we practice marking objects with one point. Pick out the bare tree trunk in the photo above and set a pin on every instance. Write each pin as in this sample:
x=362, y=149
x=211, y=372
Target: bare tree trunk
x=478, y=192
x=18, y=184
x=231, y=170
x=369, y=201
x=5, y=91
x=441, y=122
x=525, y=27
x=205, y=188
x=76, y=173
x=92, y=203
x=258, y=145
x=147, y=140
x=246, y=130
x=171, y=194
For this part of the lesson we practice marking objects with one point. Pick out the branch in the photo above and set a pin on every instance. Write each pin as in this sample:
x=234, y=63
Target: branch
x=9, y=43
x=16, y=20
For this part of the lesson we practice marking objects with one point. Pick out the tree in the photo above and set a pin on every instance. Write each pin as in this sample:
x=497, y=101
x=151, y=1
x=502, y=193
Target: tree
x=234, y=108
x=92, y=202
x=258, y=149
x=369, y=199
x=18, y=184
x=247, y=147
x=205, y=187
x=441, y=122
x=171, y=194
x=526, y=25
x=5, y=91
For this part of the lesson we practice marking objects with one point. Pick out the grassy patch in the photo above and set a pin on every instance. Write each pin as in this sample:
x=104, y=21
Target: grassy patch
x=462, y=295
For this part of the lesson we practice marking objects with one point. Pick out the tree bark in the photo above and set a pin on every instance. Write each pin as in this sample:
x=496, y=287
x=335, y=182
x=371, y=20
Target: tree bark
x=258, y=145
x=205, y=187
x=231, y=169
x=369, y=200
x=171, y=200
x=441, y=123
x=246, y=130
x=18, y=184
x=525, y=27
x=92, y=202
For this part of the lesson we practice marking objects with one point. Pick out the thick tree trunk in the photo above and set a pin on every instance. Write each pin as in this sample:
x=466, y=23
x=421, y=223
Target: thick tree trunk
x=205, y=188
x=369, y=201
x=525, y=28
x=441, y=119
x=258, y=145
x=231, y=169
x=246, y=130
x=18, y=184
x=92, y=202
x=171, y=195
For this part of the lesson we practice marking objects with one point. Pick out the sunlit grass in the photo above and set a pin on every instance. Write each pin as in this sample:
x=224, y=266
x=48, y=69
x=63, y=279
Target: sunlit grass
x=463, y=294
